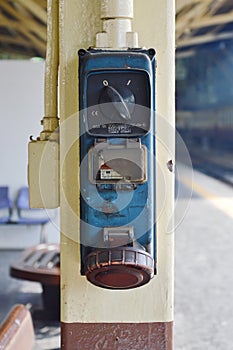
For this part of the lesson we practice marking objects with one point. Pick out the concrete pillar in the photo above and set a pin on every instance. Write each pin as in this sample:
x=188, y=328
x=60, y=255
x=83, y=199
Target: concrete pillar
x=95, y=318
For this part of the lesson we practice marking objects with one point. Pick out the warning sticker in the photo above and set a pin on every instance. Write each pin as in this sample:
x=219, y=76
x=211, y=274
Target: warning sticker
x=106, y=173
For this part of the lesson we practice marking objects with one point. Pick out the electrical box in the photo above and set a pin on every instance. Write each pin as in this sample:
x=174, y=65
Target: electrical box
x=43, y=174
x=117, y=167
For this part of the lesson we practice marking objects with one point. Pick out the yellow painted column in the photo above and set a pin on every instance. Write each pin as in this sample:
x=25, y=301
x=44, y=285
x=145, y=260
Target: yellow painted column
x=81, y=302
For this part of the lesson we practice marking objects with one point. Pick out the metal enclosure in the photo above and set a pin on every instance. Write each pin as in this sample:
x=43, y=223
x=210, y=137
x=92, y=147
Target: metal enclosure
x=117, y=166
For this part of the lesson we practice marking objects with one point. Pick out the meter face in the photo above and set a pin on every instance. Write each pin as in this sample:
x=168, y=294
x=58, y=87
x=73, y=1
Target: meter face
x=118, y=103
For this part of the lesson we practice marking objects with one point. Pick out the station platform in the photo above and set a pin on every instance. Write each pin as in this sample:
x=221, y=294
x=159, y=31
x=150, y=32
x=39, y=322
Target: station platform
x=203, y=263
x=203, y=269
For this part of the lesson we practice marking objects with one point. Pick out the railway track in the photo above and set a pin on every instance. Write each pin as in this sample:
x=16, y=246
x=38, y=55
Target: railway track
x=219, y=166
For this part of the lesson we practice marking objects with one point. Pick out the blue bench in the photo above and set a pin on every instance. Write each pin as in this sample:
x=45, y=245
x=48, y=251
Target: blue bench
x=5, y=205
x=25, y=215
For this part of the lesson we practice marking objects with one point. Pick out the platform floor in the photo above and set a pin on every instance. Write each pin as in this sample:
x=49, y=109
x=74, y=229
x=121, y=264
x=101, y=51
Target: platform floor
x=203, y=269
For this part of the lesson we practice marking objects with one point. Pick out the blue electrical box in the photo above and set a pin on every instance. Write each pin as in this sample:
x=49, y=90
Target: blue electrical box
x=117, y=167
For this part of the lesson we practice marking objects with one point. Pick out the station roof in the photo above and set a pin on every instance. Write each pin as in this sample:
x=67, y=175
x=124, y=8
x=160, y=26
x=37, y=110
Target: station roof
x=203, y=21
x=23, y=28
x=23, y=25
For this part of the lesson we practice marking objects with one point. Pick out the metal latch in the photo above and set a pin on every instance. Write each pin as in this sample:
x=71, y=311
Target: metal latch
x=118, y=236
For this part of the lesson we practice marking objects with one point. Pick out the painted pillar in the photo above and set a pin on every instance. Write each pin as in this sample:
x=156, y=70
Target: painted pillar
x=95, y=318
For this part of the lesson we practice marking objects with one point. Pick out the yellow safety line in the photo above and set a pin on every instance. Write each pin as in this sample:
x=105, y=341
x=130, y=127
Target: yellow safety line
x=196, y=188
x=225, y=204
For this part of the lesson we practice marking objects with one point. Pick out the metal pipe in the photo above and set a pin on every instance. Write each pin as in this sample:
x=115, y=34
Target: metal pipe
x=117, y=32
x=50, y=121
x=116, y=9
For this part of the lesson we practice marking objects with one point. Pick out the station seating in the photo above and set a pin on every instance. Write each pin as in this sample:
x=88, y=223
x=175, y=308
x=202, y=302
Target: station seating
x=41, y=263
x=24, y=214
x=16, y=331
x=5, y=205
x=28, y=216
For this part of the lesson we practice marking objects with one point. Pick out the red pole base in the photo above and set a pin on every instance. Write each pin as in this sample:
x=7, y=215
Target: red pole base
x=117, y=336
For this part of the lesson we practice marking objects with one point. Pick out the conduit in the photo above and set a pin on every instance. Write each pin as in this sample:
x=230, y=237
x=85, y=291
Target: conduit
x=50, y=121
x=43, y=153
x=117, y=32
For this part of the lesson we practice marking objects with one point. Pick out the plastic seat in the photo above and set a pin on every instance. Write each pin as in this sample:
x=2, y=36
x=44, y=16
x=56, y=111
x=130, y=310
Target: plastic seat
x=5, y=205
x=25, y=213
x=29, y=216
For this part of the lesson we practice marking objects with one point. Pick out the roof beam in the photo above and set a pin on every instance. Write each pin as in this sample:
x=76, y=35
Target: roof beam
x=11, y=50
x=202, y=39
x=180, y=4
x=35, y=9
x=27, y=19
x=209, y=21
x=38, y=29
x=14, y=40
x=194, y=15
x=38, y=44
x=22, y=22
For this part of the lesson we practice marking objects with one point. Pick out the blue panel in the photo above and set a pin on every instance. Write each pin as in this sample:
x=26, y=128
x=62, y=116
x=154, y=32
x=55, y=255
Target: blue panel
x=103, y=204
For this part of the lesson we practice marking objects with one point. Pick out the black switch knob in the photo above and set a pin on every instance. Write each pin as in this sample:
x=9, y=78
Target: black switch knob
x=117, y=105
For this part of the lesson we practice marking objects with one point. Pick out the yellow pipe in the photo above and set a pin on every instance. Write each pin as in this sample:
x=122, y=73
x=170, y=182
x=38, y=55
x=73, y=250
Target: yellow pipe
x=50, y=121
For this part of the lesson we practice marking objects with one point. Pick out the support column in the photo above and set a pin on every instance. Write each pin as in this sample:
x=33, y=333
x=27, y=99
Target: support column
x=95, y=318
